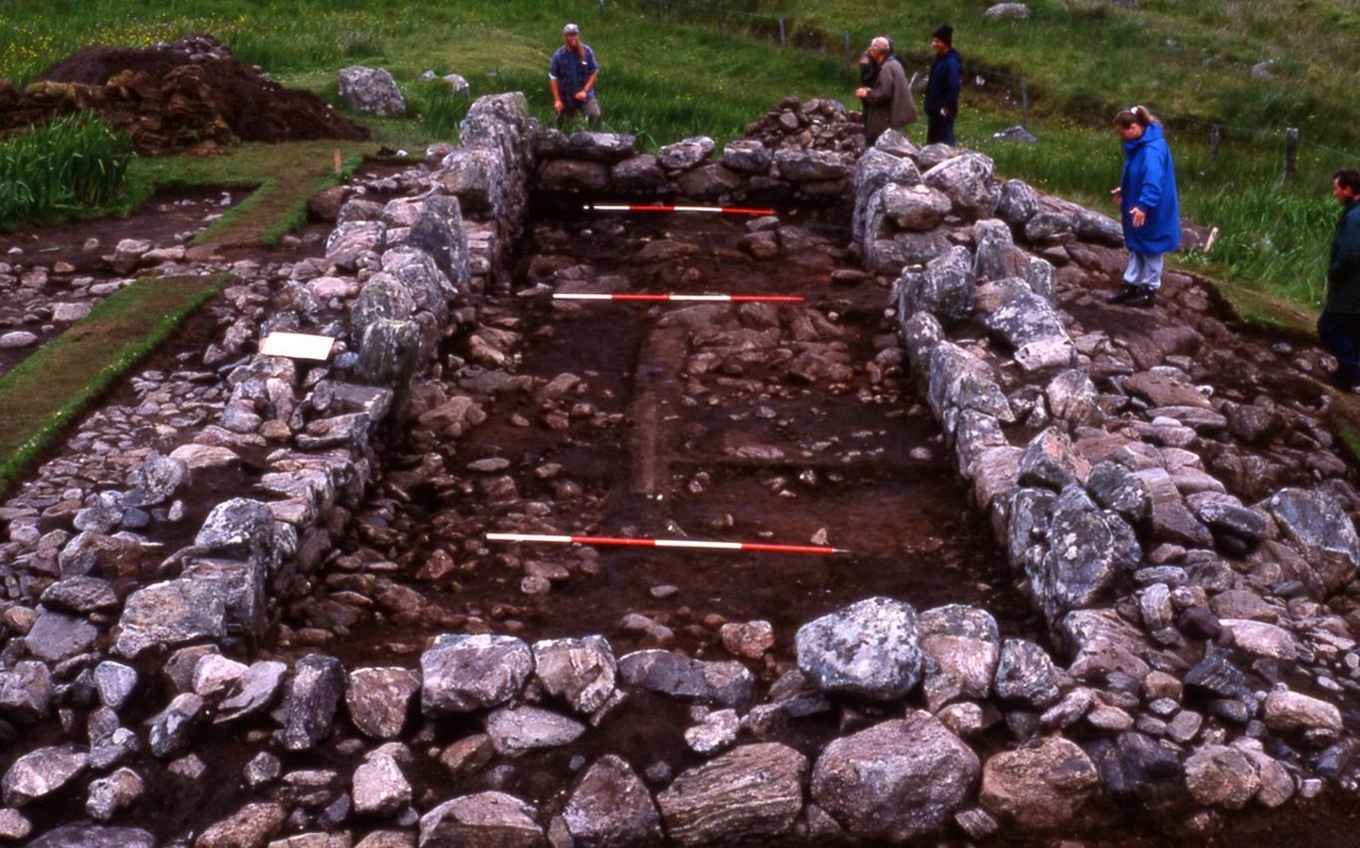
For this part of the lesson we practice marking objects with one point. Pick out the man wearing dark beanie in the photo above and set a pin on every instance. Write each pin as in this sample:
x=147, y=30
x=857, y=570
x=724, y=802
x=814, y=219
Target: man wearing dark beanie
x=942, y=92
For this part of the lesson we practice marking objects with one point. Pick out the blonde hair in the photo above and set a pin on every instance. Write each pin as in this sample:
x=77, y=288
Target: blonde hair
x=1135, y=115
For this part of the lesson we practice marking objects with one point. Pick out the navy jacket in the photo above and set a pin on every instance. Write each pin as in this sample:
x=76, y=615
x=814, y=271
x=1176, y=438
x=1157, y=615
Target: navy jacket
x=1343, y=272
x=946, y=76
x=571, y=71
x=1149, y=182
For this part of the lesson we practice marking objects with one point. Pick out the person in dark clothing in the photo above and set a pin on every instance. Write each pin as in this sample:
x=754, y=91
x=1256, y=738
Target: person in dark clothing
x=887, y=102
x=942, y=92
x=1339, y=324
x=572, y=73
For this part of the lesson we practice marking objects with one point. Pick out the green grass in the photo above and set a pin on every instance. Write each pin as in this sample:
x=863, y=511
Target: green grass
x=667, y=72
x=73, y=162
x=49, y=389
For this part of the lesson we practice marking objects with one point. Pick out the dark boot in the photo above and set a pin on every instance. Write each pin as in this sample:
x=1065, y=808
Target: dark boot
x=1124, y=295
x=1143, y=296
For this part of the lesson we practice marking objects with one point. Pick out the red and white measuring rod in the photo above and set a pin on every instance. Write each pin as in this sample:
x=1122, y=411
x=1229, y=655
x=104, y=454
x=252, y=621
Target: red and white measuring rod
x=682, y=298
x=625, y=542
x=665, y=207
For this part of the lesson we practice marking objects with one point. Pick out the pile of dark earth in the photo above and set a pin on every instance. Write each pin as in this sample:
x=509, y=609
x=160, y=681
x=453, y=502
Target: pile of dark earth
x=190, y=94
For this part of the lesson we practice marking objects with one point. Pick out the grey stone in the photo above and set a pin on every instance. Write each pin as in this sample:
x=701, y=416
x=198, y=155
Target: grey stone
x=1017, y=204
x=747, y=156
x=41, y=773
x=109, y=795
x=640, y=173
x=1219, y=776
x=380, y=699
x=961, y=645
x=1315, y=520
x=517, y=729
x=26, y=692
x=897, y=780
x=1287, y=711
x=258, y=689
x=170, y=729
x=686, y=153
x=1101, y=643
x=1114, y=487
x=466, y=673
x=1050, y=460
x=611, y=808
x=1088, y=549
x=945, y=288
x=80, y=595
x=94, y=836
x=483, y=819
x=55, y=636
x=807, y=165
x=717, y=731
x=372, y=91
x=601, y=147
x=379, y=787
x=967, y=180
x=170, y=613
x=1041, y=787
x=915, y=207
x=728, y=684
x=752, y=792
x=310, y=697
x=869, y=649
x=1025, y=673
x=581, y=671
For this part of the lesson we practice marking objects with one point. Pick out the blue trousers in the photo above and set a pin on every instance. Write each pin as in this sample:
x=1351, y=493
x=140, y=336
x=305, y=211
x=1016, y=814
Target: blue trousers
x=1340, y=335
x=1145, y=269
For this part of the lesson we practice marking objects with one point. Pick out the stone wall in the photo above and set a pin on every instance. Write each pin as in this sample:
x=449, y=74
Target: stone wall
x=1159, y=687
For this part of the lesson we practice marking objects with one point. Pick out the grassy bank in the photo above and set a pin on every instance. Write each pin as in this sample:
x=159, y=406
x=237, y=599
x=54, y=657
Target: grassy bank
x=664, y=79
x=47, y=391
x=74, y=162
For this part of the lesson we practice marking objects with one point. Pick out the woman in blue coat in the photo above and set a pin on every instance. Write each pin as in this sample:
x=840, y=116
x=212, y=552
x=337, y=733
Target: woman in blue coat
x=1149, y=208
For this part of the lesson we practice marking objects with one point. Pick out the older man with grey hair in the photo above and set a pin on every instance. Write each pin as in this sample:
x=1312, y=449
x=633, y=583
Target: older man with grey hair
x=887, y=102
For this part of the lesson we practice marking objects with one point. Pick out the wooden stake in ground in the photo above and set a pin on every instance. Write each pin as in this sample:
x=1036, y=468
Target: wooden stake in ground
x=336, y=162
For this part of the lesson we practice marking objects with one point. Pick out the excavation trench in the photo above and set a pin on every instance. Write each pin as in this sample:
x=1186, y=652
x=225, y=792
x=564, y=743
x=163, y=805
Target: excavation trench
x=790, y=424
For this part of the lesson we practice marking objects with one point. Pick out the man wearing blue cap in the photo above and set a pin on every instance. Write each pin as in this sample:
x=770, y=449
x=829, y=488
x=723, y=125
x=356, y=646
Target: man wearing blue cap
x=571, y=76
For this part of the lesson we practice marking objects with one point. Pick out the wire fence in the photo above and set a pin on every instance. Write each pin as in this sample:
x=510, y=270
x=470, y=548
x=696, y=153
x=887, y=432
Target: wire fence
x=1009, y=91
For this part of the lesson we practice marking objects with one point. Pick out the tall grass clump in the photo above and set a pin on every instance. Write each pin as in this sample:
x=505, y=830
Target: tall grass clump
x=74, y=162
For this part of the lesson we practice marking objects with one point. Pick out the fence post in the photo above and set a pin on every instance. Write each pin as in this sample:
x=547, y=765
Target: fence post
x=783, y=34
x=1024, y=104
x=1215, y=138
x=849, y=57
x=722, y=17
x=1291, y=152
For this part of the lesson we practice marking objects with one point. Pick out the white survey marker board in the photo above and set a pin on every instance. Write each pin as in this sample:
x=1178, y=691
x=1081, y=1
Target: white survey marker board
x=297, y=346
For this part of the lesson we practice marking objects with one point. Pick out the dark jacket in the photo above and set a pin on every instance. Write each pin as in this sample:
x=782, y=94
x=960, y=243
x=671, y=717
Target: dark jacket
x=888, y=103
x=1149, y=182
x=946, y=76
x=1343, y=273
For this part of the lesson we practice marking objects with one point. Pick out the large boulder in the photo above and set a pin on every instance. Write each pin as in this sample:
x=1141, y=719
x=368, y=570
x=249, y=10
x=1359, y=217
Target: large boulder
x=1039, y=788
x=945, y=288
x=915, y=207
x=372, y=91
x=897, y=780
x=874, y=171
x=382, y=297
x=686, y=153
x=967, y=180
x=750, y=793
x=462, y=674
x=801, y=166
x=1316, y=520
x=438, y=230
x=171, y=613
x=869, y=649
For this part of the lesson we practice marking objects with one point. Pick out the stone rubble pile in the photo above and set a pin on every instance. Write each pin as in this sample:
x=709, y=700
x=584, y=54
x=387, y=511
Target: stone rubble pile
x=1201, y=626
x=805, y=152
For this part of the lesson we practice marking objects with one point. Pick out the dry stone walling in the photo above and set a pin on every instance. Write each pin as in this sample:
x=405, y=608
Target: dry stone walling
x=1203, y=644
